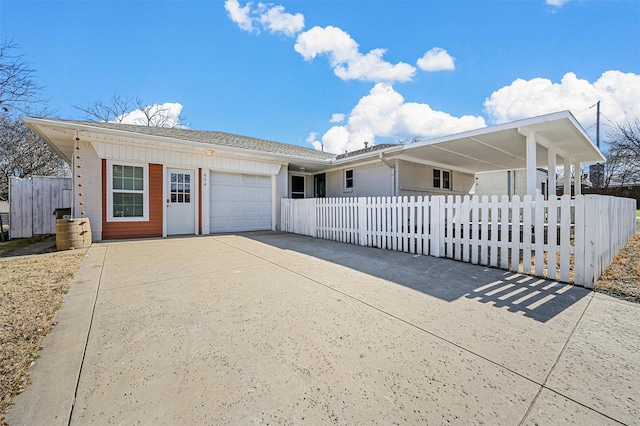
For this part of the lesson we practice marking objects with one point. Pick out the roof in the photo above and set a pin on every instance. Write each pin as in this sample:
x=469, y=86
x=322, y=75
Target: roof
x=503, y=146
x=499, y=147
x=213, y=138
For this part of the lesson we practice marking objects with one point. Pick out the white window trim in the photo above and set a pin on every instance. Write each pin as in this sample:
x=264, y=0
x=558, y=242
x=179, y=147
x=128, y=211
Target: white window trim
x=145, y=192
x=441, y=174
x=344, y=180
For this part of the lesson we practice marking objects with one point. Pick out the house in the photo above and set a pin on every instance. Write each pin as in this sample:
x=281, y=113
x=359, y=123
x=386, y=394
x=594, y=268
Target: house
x=136, y=181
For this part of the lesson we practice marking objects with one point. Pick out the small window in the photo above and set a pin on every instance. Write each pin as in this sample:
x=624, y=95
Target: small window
x=441, y=179
x=297, y=186
x=128, y=192
x=180, y=188
x=446, y=180
x=348, y=179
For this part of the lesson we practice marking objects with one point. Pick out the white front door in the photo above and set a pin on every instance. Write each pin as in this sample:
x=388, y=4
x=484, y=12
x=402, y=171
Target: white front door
x=180, y=203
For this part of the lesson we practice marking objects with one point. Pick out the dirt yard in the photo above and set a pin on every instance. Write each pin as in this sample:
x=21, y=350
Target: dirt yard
x=31, y=291
x=622, y=277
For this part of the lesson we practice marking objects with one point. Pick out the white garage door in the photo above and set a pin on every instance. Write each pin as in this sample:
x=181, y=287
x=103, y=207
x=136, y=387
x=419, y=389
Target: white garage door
x=240, y=202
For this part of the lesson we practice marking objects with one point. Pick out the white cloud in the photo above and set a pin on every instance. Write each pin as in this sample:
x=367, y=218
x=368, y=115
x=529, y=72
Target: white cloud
x=276, y=20
x=345, y=58
x=165, y=115
x=384, y=113
x=556, y=3
x=270, y=17
x=436, y=59
x=337, y=118
x=240, y=15
x=618, y=91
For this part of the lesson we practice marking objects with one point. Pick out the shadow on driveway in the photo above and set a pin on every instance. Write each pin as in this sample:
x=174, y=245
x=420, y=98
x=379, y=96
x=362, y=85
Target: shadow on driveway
x=445, y=279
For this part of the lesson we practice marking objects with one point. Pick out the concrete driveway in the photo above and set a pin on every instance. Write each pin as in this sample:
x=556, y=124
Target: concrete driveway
x=284, y=329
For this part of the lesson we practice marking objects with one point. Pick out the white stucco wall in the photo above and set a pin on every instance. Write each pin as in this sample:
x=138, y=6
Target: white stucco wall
x=369, y=180
x=281, y=191
x=496, y=183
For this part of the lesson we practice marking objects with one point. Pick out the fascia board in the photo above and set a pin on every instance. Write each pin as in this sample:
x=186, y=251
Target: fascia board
x=33, y=125
x=170, y=143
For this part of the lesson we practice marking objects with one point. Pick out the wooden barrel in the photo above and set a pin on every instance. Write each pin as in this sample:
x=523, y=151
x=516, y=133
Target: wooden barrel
x=73, y=233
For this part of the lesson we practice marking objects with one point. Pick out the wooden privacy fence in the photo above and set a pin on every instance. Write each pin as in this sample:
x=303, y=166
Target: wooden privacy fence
x=566, y=239
x=32, y=202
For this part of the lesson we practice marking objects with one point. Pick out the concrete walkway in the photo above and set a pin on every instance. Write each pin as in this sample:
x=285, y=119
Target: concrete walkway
x=284, y=329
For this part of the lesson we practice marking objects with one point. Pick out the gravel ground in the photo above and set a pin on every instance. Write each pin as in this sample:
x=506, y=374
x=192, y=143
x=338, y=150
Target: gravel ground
x=31, y=291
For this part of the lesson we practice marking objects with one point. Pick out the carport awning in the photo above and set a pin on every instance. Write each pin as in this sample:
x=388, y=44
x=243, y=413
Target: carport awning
x=504, y=147
x=494, y=148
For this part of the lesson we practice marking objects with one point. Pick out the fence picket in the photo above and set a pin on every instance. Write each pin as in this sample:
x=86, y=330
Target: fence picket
x=526, y=234
x=419, y=233
x=504, y=232
x=494, y=229
x=484, y=231
x=475, y=229
x=539, y=235
x=464, y=233
x=579, y=243
x=552, y=236
x=449, y=217
x=565, y=237
x=515, y=233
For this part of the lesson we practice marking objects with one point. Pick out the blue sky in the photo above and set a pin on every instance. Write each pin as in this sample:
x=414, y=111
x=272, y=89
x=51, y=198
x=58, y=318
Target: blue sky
x=284, y=70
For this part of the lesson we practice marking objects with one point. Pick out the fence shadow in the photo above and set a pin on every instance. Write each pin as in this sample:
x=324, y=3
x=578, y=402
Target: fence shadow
x=445, y=279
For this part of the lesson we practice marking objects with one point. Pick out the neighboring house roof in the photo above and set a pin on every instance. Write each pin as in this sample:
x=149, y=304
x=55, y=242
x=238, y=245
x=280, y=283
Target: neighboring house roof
x=366, y=150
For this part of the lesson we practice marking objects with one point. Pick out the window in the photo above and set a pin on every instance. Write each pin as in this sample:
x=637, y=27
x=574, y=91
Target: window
x=180, y=188
x=348, y=179
x=128, y=197
x=297, y=186
x=441, y=179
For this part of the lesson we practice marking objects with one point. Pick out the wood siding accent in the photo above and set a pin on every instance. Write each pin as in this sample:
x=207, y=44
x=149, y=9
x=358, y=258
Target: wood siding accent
x=200, y=201
x=150, y=228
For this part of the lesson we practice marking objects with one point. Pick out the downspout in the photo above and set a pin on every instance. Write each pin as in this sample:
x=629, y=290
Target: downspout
x=393, y=174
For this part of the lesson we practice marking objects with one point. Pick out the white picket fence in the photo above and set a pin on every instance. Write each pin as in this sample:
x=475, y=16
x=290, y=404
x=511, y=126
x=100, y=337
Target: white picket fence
x=567, y=239
x=32, y=202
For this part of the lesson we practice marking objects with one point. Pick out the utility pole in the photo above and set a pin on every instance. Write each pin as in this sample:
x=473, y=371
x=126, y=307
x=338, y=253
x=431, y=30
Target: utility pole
x=598, y=125
x=596, y=171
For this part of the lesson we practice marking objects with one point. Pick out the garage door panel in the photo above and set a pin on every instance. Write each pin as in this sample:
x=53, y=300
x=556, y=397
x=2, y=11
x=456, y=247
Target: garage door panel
x=240, y=202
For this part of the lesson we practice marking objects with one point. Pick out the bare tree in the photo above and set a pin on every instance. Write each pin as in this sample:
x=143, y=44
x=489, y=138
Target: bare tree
x=118, y=109
x=18, y=89
x=24, y=154
x=623, y=154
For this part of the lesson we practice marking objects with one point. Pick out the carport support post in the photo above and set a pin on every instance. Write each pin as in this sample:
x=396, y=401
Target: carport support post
x=551, y=174
x=567, y=175
x=531, y=164
x=577, y=179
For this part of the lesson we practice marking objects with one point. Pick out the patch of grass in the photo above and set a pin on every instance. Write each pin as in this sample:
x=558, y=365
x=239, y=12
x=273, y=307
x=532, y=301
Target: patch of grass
x=31, y=291
x=7, y=247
